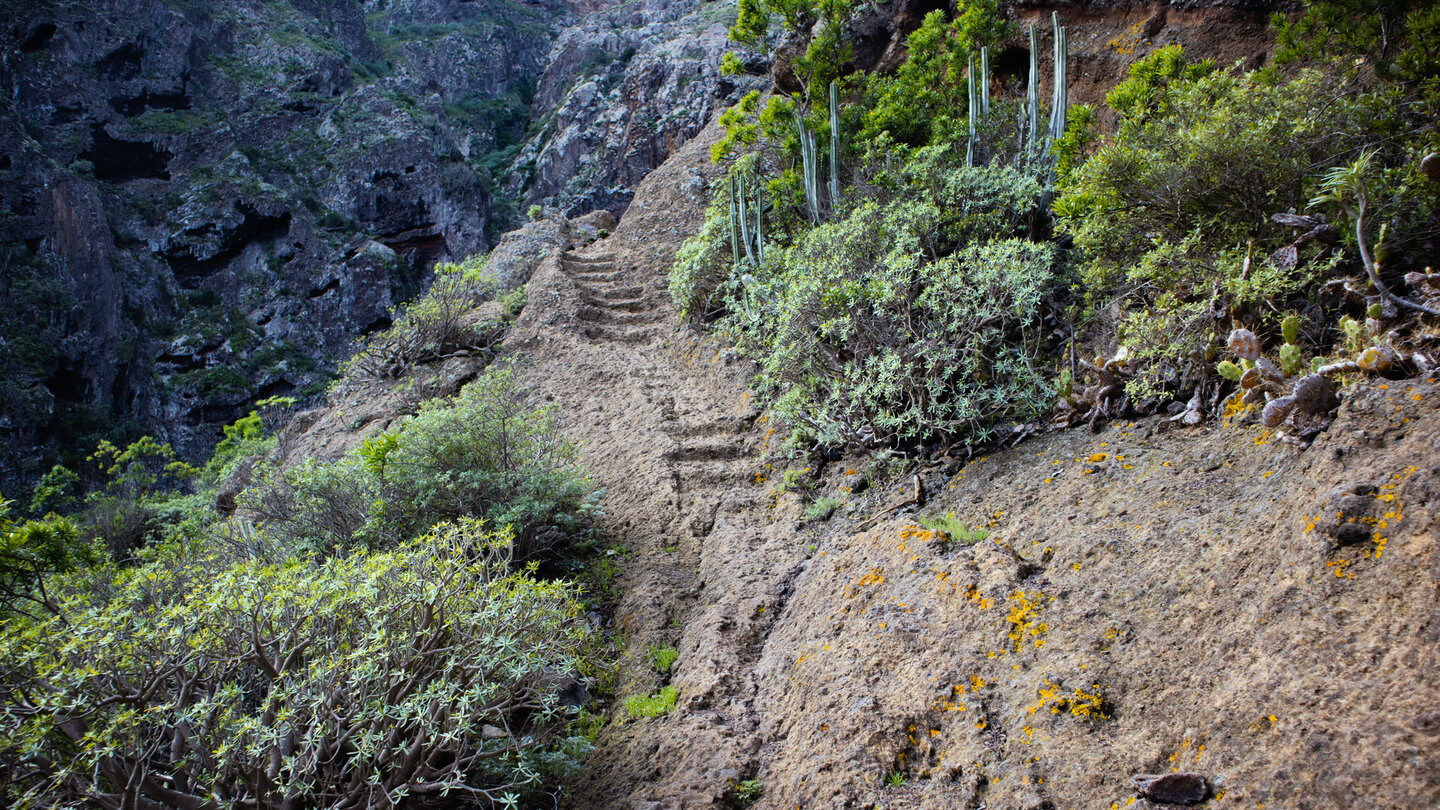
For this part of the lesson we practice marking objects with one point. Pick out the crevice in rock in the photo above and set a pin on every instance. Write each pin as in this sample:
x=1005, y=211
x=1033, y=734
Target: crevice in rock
x=39, y=38
x=122, y=63
x=254, y=226
x=118, y=161
x=130, y=106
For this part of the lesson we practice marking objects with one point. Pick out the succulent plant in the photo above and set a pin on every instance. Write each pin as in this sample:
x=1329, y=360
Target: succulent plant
x=1292, y=359
x=1244, y=344
x=1290, y=330
x=1376, y=358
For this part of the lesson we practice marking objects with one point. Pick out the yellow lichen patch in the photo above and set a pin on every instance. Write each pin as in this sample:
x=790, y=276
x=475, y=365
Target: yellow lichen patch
x=1096, y=458
x=973, y=594
x=874, y=576
x=1078, y=702
x=1235, y=407
x=915, y=533
x=1024, y=619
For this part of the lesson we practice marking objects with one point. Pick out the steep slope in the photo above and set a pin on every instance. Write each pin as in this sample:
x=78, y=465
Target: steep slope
x=1150, y=599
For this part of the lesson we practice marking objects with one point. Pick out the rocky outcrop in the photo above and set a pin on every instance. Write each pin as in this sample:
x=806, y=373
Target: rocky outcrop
x=229, y=193
x=628, y=87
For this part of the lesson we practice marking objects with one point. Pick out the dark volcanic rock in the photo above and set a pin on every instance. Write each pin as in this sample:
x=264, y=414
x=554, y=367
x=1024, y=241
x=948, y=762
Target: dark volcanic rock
x=200, y=191
x=629, y=86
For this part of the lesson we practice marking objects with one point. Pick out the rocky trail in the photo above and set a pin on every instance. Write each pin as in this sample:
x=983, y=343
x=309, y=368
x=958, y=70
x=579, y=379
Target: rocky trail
x=667, y=426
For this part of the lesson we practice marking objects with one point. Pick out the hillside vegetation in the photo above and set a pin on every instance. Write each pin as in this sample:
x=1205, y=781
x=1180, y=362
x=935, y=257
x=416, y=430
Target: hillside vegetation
x=920, y=264
x=934, y=257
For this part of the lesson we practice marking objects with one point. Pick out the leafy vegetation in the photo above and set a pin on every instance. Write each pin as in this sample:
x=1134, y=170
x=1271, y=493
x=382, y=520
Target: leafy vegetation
x=271, y=684
x=663, y=657
x=952, y=529
x=660, y=703
x=906, y=308
x=923, y=300
x=345, y=607
x=484, y=454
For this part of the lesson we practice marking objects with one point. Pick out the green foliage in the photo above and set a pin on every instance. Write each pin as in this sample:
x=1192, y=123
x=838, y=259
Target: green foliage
x=55, y=491
x=638, y=706
x=1401, y=38
x=663, y=658
x=1173, y=215
x=953, y=529
x=245, y=438
x=902, y=320
x=375, y=452
x=484, y=454
x=822, y=508
x=33, y=551
x=748, y=791
x=1148, y=89
x=702, y=265
x=895, y=779
x=924, y=101
x=274, y=685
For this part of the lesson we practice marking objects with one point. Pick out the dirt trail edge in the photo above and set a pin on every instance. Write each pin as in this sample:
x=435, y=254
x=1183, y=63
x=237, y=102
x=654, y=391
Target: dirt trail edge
x=1149, y=600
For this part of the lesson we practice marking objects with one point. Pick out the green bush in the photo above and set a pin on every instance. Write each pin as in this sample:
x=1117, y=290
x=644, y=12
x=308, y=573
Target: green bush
x=662, y=703
x=905, y=319
x=484, y=454
x=1173, y=215
x=358, y=680
x=925, y=100
x=34, y=551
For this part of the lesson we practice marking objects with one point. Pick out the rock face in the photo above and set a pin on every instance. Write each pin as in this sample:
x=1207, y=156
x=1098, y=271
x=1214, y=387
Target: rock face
x=206, y=202
x=628, y=87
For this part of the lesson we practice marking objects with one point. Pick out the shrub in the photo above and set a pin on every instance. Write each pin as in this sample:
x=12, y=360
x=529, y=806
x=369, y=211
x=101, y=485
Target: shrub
x=702, y=265
x=1174, y=215
x=484, y=454
x=33, y=551
x=900, y=322
x=360, y=680
x=638, y=706
x=432, y=328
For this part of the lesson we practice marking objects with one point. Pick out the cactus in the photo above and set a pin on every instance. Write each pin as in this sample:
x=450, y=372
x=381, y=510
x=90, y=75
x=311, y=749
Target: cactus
x=1034, y=145
x=971, y=91
x=1292, y=359
x=984, y=81
x=1060, y=98
x=1230, y=371
x=1244, y=344
x=734, y=225
x=745, y=241
x=1376, y=358
x=1290, y=329
x=834, y=147
x=810, y=169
